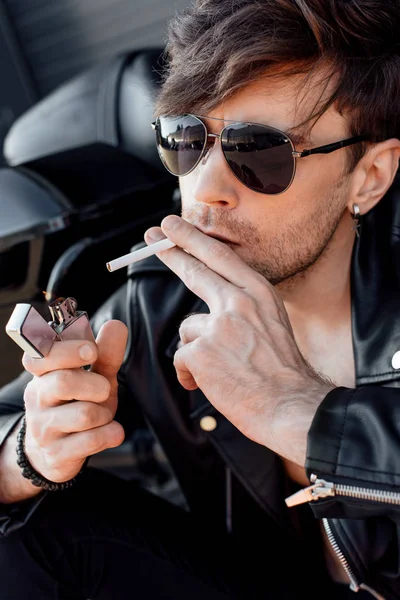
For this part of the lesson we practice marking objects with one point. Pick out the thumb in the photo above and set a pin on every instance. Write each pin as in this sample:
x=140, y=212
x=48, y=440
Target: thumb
x=111, y=342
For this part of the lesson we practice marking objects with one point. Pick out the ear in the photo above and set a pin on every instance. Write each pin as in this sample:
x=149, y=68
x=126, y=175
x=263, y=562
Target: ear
x=374, y=175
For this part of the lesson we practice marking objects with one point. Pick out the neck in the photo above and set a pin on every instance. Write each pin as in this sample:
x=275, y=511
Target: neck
x=323, y=292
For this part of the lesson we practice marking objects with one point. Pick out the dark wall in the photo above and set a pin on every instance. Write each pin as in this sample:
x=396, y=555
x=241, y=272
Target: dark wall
x=64, y=37
x=43, y=43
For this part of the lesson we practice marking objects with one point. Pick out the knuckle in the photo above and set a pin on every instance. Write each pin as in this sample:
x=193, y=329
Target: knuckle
x=30, y=394
x=243, y=303
x=41, y=394
x=63, y=381
x=178, y=358
x=34, y=429
x=199, y=347
x=219, y=250
x=85, y=414
x=193, y=268
x=49, y=425
x=190, y=234
x=183, y=330
x=215, y=326
x=187, y=353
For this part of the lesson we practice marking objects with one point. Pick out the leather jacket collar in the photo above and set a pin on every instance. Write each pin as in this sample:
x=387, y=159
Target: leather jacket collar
x=375, y=280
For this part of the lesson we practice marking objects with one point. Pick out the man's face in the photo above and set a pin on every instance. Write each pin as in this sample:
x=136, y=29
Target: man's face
x=283, y=235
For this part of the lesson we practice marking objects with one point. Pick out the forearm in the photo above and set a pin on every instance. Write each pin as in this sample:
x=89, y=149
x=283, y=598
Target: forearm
x=13, y=486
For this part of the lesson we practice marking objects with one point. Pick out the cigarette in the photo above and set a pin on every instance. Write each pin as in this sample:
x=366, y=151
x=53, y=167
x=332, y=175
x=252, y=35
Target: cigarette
x=132, y=257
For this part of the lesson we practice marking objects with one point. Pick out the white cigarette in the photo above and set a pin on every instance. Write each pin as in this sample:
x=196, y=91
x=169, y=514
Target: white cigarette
x=132, y=257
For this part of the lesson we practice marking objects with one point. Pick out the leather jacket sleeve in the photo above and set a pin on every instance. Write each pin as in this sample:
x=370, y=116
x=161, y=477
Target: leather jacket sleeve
x=12, y=404
x=354, y=440
x=13, y=516
x=354, y=444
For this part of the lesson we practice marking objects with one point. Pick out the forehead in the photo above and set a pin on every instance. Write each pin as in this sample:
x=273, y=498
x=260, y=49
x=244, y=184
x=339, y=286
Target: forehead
x=287, y=104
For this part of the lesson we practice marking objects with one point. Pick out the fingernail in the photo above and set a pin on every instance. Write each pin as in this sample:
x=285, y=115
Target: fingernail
x=171, y=222
x=154, y=235
x=86, y=352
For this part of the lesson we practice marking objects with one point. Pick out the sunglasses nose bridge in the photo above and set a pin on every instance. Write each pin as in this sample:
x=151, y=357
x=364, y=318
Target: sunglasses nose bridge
x=213, y=135
x=210, y=140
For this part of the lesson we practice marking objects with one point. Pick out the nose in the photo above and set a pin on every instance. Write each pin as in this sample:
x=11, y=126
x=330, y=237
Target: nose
x=212, y=182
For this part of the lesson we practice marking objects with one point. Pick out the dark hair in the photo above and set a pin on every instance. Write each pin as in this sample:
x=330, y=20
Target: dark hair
x=216, y=47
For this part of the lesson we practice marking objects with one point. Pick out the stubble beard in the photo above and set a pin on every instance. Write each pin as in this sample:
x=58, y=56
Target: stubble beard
x=287, y=256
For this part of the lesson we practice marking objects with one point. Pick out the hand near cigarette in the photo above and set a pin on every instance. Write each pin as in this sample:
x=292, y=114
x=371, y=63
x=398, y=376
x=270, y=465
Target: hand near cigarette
x=70, y=411
x=243, y=354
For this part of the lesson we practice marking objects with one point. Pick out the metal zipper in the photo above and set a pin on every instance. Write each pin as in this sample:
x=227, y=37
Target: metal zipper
x=355, y=586
x=320, y=488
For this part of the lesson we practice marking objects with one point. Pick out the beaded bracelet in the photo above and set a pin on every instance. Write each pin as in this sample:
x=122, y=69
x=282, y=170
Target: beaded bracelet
x=29, y=472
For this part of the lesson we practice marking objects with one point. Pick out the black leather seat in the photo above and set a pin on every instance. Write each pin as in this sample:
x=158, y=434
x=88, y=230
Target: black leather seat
x=83, y=182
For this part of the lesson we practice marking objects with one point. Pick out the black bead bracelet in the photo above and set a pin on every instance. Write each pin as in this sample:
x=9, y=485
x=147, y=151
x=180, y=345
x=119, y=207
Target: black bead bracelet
x=29, y=472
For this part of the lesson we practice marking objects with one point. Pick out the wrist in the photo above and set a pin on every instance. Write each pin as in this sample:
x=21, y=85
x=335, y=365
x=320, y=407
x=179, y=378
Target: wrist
x=28, y=471
x=293, y=415
x=13, y=487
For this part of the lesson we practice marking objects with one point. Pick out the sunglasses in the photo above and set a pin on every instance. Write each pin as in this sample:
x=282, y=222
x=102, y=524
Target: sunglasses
x=261, y=157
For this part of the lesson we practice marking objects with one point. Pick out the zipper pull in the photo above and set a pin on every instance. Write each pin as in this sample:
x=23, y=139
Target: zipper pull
x=318, y=489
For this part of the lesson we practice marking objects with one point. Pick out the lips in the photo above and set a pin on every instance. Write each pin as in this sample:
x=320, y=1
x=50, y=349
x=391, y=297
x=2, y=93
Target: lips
x=218, y=237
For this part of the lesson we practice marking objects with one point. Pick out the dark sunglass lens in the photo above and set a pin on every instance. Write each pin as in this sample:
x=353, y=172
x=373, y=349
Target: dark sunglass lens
x=180, y=142
x=260, y=156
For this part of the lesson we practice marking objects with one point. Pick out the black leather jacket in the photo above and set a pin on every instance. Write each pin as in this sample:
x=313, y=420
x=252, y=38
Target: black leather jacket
x=230, y=481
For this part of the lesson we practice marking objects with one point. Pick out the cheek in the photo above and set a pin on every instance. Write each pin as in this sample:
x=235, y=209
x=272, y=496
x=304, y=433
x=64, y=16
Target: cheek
x=319, y=173
x=319, y=187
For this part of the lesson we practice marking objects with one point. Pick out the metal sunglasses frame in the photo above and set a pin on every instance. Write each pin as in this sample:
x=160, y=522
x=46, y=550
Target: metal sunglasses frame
x=326, y=149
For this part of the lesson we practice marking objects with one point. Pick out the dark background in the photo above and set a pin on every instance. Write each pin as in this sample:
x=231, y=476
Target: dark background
x=43, y=43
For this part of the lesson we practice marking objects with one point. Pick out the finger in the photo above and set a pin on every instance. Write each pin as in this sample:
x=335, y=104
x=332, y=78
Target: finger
x=183, y=372
x=70, y=354
x=202, y=281
x=70, y=418
x=58, y=387
x=154, y=234
x=218, y=256
x=111, y=343
x=193, y=327
x=78, y=446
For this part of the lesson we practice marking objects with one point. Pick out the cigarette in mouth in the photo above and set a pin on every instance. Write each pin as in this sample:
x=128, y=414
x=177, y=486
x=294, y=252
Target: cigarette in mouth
x=132, y=257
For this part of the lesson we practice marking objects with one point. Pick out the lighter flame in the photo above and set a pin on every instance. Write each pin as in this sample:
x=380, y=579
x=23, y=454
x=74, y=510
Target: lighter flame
x=47, y=295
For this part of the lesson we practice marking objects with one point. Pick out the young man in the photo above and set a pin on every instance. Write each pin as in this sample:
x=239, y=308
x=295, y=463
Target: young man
x=281, y=119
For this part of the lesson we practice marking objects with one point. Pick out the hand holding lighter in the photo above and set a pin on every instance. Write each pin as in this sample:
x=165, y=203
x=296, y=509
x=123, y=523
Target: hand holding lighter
x=36, y=336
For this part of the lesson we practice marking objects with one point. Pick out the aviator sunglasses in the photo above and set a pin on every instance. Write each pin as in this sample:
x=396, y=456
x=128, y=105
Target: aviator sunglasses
x=261, y=157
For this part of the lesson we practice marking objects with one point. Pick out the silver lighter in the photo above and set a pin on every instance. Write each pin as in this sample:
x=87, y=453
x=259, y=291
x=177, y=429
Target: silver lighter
x=36, y=336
